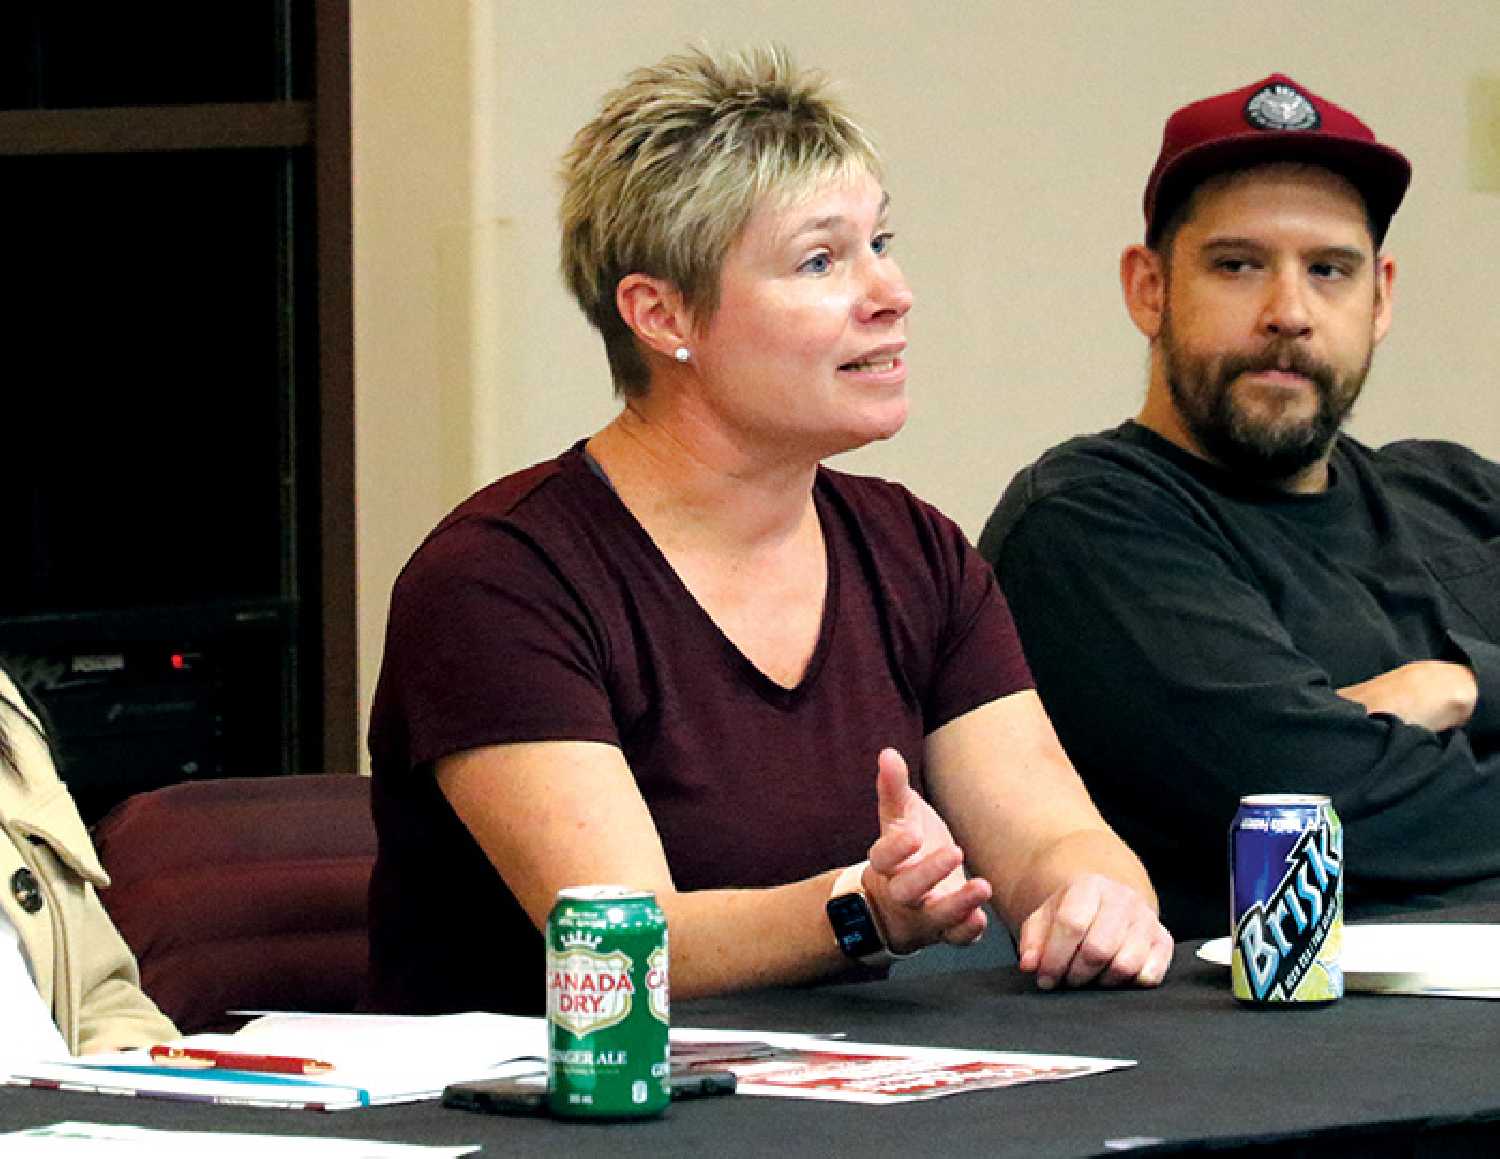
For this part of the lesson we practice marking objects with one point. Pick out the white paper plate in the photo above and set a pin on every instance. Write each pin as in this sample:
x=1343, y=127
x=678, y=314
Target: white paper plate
x=1406, y=958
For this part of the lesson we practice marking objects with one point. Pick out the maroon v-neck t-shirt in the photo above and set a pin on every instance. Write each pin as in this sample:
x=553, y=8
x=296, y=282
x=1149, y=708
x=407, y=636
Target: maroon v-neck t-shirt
x=541, y=610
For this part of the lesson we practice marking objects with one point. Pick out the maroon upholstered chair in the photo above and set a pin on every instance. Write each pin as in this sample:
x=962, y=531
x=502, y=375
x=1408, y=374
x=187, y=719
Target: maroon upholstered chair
x=245, y=893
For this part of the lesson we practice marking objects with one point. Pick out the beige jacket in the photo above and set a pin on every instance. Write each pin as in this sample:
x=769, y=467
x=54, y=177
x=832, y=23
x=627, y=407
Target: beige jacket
x=83, y=968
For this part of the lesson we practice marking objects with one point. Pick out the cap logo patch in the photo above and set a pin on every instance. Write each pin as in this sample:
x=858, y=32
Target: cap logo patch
x=1280, y=106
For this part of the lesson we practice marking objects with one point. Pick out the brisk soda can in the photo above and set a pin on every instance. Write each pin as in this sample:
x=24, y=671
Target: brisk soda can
x=1286, y=874
x=607, y=1004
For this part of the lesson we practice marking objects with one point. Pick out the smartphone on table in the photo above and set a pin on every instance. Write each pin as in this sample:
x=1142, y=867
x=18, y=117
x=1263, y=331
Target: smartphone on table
x=526, y=1094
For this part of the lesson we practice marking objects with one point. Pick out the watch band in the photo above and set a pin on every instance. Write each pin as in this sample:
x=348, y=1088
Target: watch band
x=851, y=879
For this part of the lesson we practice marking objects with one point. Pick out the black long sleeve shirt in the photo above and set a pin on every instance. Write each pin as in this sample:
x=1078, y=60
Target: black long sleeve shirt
x=1188, y=632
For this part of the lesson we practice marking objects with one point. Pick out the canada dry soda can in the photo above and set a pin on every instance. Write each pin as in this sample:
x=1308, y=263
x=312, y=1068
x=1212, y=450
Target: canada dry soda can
x=1286, y=873
x=607, y=1004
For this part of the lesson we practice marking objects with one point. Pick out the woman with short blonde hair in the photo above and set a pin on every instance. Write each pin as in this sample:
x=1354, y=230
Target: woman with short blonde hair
x=685, y=656
x=664, y=179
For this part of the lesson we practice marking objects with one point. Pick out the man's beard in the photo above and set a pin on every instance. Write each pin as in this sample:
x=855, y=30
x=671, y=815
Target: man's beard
x=1268, y=450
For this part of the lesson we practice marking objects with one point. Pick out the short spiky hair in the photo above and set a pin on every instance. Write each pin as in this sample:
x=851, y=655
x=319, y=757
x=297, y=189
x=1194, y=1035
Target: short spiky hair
x=666, y=177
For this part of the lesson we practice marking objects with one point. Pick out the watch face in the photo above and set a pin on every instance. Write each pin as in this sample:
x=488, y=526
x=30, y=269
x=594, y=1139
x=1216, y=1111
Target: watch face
x=854, y=925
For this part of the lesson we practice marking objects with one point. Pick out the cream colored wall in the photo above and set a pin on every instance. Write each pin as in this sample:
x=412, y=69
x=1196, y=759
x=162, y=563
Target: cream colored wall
x=1018, y=137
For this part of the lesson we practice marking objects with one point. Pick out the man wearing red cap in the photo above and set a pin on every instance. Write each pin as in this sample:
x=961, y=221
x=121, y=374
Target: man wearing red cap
x=1229, y=596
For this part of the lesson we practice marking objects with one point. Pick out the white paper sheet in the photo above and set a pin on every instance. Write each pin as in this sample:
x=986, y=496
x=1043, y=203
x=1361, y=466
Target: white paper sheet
x=1456, y=960
x=376, y=1059
x=112, y=1141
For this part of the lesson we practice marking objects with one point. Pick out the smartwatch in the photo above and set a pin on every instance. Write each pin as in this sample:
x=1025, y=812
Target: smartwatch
x=854, y=922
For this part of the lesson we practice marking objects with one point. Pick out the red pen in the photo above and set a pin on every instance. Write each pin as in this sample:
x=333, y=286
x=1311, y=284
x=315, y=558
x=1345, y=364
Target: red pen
x=192, y=1057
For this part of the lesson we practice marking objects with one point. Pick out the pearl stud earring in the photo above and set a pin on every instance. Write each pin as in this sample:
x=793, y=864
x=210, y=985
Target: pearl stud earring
x=682, y=354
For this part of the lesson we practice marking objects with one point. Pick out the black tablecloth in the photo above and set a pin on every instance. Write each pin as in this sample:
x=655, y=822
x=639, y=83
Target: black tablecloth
x=1369, y=1075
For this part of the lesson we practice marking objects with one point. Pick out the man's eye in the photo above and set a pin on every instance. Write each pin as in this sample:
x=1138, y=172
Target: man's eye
x=817, y=264
x=1328, y=271
x=1233, y=265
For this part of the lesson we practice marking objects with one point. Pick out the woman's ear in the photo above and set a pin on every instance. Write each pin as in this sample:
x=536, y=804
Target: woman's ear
x=1143, y=281
x=655, y=312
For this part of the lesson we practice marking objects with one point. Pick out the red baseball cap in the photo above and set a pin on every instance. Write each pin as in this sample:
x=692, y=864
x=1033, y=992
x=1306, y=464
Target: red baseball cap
x=1275, y=119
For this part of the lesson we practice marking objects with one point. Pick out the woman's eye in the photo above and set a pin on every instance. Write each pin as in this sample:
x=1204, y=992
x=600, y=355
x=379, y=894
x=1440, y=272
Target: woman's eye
x=881, y=244
x=817, y=264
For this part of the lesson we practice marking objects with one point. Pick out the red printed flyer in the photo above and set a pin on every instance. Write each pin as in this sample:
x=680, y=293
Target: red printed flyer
x=803, y=1066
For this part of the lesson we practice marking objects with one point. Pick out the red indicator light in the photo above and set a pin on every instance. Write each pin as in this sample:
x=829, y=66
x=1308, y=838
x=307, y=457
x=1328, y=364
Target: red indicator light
x=179, y=662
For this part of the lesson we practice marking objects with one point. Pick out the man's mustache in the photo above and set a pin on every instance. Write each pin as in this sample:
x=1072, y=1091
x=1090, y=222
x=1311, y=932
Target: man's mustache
x=1283, y=355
